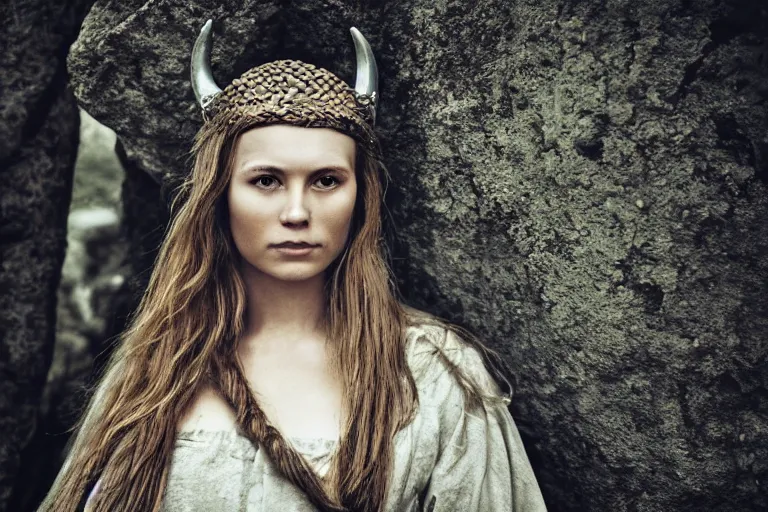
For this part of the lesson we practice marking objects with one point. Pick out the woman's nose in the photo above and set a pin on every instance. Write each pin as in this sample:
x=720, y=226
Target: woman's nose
x=294, y=210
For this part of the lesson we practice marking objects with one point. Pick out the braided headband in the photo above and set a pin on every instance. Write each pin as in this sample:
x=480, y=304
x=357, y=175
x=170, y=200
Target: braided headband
x=290, y=92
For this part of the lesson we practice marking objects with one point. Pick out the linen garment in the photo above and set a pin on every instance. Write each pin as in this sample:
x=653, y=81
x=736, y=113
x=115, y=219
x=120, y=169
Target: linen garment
x=450, y=458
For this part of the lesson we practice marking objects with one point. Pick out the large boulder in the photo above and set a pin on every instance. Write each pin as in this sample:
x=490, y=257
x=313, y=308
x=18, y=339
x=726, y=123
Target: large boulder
x=38, y=145
x=581, y=183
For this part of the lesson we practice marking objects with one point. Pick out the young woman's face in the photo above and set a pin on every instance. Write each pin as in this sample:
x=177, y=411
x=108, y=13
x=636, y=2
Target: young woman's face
x=292, y=184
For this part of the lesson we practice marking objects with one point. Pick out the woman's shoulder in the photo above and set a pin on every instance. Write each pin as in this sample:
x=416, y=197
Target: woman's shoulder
x=208, y=411
x=441, y=358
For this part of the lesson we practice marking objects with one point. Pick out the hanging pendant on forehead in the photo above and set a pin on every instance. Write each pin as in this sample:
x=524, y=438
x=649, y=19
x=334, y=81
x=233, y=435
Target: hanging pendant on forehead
x=291, y=91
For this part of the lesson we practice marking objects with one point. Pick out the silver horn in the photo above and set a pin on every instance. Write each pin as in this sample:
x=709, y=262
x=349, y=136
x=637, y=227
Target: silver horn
x=202, y=78
x=367, y=79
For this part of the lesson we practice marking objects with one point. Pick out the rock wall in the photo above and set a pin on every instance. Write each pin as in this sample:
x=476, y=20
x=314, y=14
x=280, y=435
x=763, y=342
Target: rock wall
x=581, y=183
x=38, y=144
x=586, y=191
x=92, y=274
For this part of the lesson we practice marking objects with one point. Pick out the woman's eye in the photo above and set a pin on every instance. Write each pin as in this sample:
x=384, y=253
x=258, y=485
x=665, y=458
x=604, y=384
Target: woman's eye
x=328, y=181
x=269, y=182
x=265, y=181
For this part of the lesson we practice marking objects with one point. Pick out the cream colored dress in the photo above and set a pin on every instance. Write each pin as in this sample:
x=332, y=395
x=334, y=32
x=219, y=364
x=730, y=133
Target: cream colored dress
x=447, y=458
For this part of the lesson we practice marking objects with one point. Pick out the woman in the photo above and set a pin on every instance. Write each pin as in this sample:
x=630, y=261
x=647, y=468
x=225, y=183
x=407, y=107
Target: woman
x=269, y=365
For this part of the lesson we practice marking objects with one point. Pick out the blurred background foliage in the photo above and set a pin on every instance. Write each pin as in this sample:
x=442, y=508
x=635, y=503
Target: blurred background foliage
x=98, y=173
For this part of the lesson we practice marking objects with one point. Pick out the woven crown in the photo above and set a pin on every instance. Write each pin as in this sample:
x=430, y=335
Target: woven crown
x=297, y=93
x=290, y=92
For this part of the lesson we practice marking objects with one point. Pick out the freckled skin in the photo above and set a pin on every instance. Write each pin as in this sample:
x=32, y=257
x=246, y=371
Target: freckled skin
x=311, y=200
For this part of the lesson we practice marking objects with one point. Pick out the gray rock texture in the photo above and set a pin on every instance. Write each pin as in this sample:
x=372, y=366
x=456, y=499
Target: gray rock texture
x=38, y=145
x=581, y=183
x=92, y=275
x=92, y=282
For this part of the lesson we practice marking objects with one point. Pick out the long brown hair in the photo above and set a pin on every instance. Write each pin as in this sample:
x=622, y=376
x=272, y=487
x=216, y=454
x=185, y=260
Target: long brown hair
x=184, y=334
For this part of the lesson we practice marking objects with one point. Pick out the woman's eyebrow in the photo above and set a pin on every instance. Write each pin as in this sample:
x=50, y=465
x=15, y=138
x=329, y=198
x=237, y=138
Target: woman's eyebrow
x=250, y=169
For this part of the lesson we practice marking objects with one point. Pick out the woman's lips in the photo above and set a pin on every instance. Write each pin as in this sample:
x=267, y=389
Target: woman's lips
x=295, y=245
x=290, y=249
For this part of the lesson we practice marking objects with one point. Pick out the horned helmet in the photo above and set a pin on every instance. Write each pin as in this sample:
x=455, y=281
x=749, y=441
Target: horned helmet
x=290, y=92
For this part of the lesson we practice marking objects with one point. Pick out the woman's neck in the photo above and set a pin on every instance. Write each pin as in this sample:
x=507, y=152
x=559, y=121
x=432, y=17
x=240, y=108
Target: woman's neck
x=284, y=310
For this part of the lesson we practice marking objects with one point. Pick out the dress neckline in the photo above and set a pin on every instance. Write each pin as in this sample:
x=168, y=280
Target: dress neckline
x=312, y=444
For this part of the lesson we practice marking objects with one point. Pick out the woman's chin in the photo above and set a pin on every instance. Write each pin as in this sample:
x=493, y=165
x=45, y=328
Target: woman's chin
x=295, y=273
